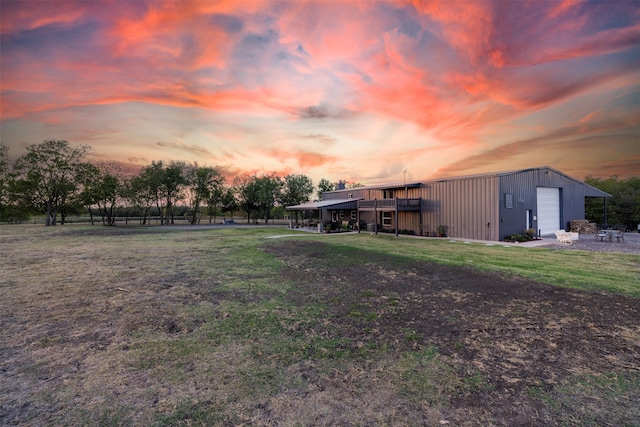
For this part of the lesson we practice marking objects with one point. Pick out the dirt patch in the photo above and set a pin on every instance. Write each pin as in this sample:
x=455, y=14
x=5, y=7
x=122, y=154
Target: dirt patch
x=517, y=341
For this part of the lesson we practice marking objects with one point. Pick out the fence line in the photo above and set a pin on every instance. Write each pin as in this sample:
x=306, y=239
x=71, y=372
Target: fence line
x=155, y=220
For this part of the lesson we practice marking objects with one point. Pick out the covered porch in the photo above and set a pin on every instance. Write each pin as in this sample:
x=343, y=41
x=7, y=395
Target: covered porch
x=316, y=214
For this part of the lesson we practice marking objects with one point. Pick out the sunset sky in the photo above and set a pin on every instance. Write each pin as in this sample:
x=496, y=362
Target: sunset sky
x=353, y=90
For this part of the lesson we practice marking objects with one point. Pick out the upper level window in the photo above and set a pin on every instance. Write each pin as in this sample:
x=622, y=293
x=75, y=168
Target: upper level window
x=388, y=194
x=508, y=200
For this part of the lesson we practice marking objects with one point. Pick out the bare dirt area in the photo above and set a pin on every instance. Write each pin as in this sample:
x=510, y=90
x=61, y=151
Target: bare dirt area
x=529, y=353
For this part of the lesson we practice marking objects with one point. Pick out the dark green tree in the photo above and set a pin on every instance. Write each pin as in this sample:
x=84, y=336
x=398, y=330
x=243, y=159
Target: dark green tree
x=296, y=189
x=269, y=193
x=172, y=184
x=5, y=178
x=109, y=190
x=47, y=176
x=325, y=185
x=88, y=176
x=140, y=195
x=150, y=179
x=204, y=185
x=228, y=201
x=166, y=183
x=623, y=207
x=247, y=193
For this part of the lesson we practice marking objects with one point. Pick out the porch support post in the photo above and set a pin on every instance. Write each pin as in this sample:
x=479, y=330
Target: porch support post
x=375, y=215
x=420, y=211
x=396, y=217
x=605, y=212
x=358, y=215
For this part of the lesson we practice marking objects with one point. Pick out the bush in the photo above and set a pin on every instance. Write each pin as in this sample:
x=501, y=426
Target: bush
x=518, y=238
x=13, y=215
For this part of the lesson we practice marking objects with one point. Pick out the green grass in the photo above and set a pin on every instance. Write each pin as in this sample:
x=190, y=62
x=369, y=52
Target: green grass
x=591, y=271
x=156, y=326
x=590, y=394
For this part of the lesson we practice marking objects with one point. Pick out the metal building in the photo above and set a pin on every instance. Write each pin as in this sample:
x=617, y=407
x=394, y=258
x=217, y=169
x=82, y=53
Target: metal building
x=484, y=207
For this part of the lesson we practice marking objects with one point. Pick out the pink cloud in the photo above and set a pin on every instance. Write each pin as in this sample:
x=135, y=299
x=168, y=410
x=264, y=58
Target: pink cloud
x=455, y=75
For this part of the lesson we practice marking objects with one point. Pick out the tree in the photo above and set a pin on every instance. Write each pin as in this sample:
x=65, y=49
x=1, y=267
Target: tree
x=172, y=183
x=247, y=193
x=325, y=185
x=88, y=176
x=4, y=179
x=623, y=207
x=228, y=201
x=10, y=211
x=150, y=179
x=47, y=175
x=165, y=182
x=109, y=189
x=139, y=193
x=296, y=189
x=204, y=184
x=269, y=193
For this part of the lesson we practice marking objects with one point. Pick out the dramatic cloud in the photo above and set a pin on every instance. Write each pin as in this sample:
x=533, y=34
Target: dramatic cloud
x=353, y=90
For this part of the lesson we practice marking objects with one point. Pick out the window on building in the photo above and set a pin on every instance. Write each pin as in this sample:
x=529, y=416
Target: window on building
x=386, y=219
x=508, y=200
x=388, y=194
x=354, y=215
x=341, y=214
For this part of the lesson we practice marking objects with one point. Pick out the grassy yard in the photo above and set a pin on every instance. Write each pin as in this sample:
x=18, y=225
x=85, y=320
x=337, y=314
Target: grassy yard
x=156, y=326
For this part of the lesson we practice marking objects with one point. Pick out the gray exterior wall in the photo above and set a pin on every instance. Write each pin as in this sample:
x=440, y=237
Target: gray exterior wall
x=523, y=187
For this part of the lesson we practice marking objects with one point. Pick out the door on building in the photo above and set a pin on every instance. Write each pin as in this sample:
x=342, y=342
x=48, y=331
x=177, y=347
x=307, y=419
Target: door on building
x=548, y=200
x=529, y=220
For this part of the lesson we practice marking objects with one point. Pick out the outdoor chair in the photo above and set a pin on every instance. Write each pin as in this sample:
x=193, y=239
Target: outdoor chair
x=600, y=234
x=564, y=237
x=619, y=235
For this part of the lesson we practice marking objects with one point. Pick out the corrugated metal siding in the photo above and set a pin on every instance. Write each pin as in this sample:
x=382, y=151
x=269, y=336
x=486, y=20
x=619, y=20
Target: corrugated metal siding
x=523, y=186
x=468, y=208
x=473, y=207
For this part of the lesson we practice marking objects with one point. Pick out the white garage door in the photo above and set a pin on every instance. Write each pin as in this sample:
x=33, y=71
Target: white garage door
x=548, y=210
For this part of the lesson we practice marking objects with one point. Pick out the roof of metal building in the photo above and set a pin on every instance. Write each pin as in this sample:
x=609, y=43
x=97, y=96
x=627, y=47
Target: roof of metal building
x=590, y=191
x=335, y=204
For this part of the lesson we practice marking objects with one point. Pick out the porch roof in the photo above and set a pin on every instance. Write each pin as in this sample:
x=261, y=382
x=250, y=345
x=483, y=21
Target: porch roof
x=326, y=204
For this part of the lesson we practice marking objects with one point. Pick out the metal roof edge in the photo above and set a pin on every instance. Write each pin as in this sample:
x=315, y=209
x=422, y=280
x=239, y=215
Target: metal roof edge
x=417, y=184
x=322, y=204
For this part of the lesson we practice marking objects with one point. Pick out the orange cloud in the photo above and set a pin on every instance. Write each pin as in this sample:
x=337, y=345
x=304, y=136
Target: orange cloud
x=354, y=88
x=304, y=158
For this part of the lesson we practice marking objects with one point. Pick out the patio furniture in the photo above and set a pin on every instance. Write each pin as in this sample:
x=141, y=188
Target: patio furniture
x=618, y=234
x=564, y=237
x=602, y=234
x=610, y=235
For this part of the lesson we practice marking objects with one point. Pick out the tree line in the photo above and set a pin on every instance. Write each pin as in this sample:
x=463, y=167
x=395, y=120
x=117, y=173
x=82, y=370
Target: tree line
x=623, y=207
x=55, y=179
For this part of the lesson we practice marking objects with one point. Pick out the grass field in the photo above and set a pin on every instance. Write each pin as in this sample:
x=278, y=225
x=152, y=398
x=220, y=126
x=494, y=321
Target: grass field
x=160, y=326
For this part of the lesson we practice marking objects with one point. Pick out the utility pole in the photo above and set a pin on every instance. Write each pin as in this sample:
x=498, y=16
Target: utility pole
x=404, y=172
